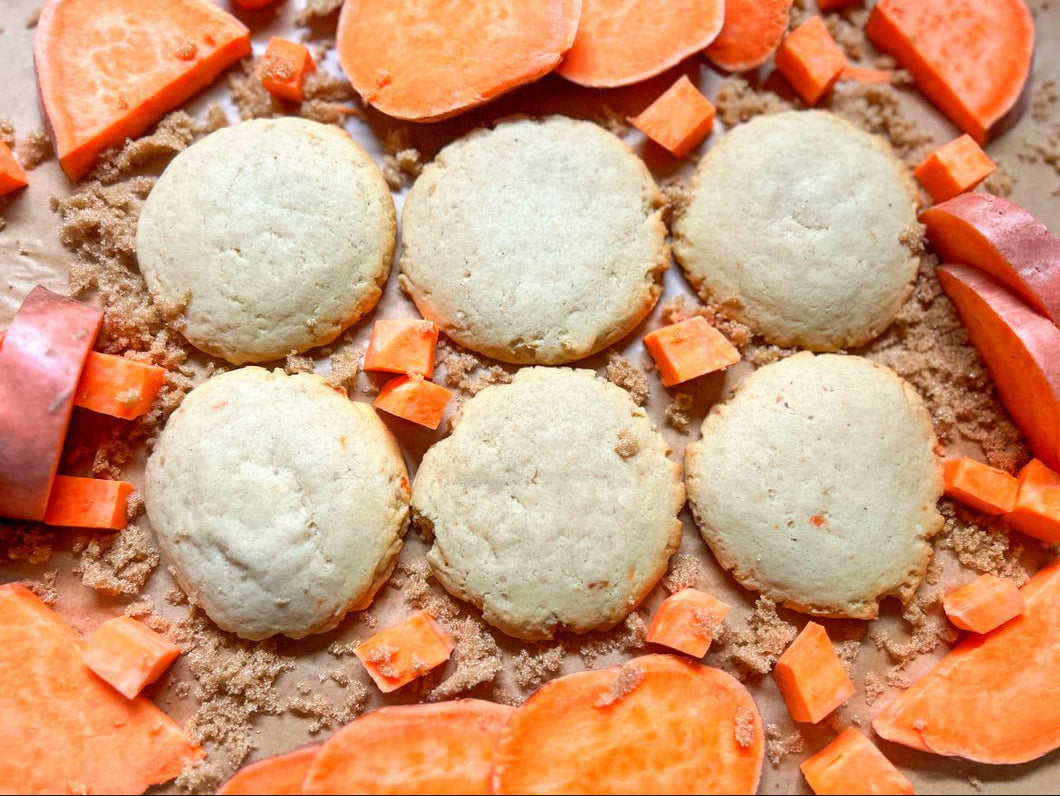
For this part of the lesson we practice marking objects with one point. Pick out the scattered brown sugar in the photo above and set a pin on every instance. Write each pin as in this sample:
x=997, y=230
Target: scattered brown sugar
x=1043, y=147
x=328, y=714
x=532, y=668
x=345, y=367
x=25, y=541
x=738, y=101
x=234, y=682
x=250, y=97
x=171, y=136
x=1001, y=182
x=380, y=657
x=468, y=372
x=628, y=679
x=780, y=744
x=420, y=593
x=626, y=445
x=7, y=133
x=676, y=310
x=629, y=377
x=754, y=649
x=294, y=363
x=143, y=610
x=675, y=189
x=201, y=776
x=927, y=630
x=117, y=563
x=401, y=168
x=876, y=108
x=767, y=354
x=849, y=32
x=1044, y=97
x=317, y=9
x=745, y=727
x=678, y=413
x=599, y=645
x=683, y=573
x=476, y=655
x=981, y=544
x=874, y=688
x=611, y=120
x=33, y=150
x=45, y=587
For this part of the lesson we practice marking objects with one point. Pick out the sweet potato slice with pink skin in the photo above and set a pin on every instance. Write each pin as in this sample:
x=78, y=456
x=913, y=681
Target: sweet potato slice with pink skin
x=109, y=69
x=444, y=747
x=72, y=732
x=427, y=60
x=1000, y=237
x=41, y=360
x=279, y=775
x=1021, y=349
x=996, y=697
x=657, y=724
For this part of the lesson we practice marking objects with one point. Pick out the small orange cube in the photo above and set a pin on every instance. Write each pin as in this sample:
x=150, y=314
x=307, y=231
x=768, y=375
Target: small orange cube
x=679, y=119
x=852, y=764
x=810, y=60
x=1037, y=509
x=12, y=177
x=128, y=654
x=405, y=651
x=954, y=168
x=984, y=604
x=811, y=677
x=119, y=387
x=284, y=68
x=88, y=503
x=406, y=345
x=686, y=621
x=414, y=399
x=980, y=486
x=688, y=349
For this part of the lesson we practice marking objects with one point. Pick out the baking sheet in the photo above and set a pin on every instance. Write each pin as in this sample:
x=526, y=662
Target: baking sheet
x=30, y=253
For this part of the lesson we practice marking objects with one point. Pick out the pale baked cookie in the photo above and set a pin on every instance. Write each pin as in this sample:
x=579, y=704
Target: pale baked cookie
x=803, y=227
x=278, y=503
x=816, y=484
x=535, y=242
x=553, y=504
x=268, y=237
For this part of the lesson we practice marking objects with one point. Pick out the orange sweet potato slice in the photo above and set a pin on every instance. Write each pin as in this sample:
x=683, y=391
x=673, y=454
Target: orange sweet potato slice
x=751, y=33
x=279, y=775
x=852, y=764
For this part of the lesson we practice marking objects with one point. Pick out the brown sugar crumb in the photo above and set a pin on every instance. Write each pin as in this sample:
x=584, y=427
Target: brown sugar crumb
x=1044, y=97
x=1043, y=148
x=1001, y=182
x=401, y=168
x=627, y=445
x=144, y=611
x=419, y=593
x=250, y=97
x=234, y=682
x=172, y=135
x=316, y=9
x=611, y=120
x=754, y=649
x=531, y=669
x=476, y=655
x=7, y=133
x=45, y=587
x=876, y=108
x=174, y=596
x=25, y=541
x=678, y=413
x=33, y=150
x=761, y=355
x=683, y=573
x=327, y=714
x=737, y=101
x=201, y=776
x=327, y=87
x=677, y=196
x=745, y=727
x=849, y=33
x=629, y=677
x=780, y=744
x=874, y=688
x=927, y=630
x=381, y=658
x=981, y=544
x=118, y=563
x=623, y=373
x=294, y=363
x=460, y=365
x=345, y=367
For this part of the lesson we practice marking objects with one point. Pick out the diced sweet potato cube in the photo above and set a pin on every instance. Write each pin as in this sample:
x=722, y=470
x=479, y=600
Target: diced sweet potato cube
x=1037, y=509
x=852, y=764
x=12, y=177
x=954, y=168
x=984, y=604
x=284, y=68
x=405, y=651
x=128, y=654
x=980, y=486
x=416, y=400
x=88, y=503
x=811, y=60
x=405, y=345
x=811, y=677
x=688, y=349
x=687, y=621
x=679, y=119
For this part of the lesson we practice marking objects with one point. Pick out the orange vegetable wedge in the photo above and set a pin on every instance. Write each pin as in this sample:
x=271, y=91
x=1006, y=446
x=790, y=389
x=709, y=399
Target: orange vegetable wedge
x=405, y=345
x=427, y=60
x=686, y=621
x=811, y=677
x=864, y=74
x=658, y=724
x=688, y=349
x=980, y=486
x=404, y=652
x=984, y=604
x=279, y=775
x=954, y=168
x=852, y=764
x=445, y=747
x=1021, y=349
x=995, y=698
x=12, y=175
x=998, y=236
x=88, y=503
x=109, y=69
x=625, y=41
x=751, y=33
x=679, y=119
x=284, y=68
x=1037, y=509
x=128, y=654
x=412, y=398
x=944, y=43
x=40, y=364
x=74, y=733
x=810, y=60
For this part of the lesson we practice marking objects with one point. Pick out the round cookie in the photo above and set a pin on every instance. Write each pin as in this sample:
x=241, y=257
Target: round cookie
x=816, y=484
x=553, y=504
x=803, y=227
x=535, y=242
x=268, y=237
x=278, y=503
